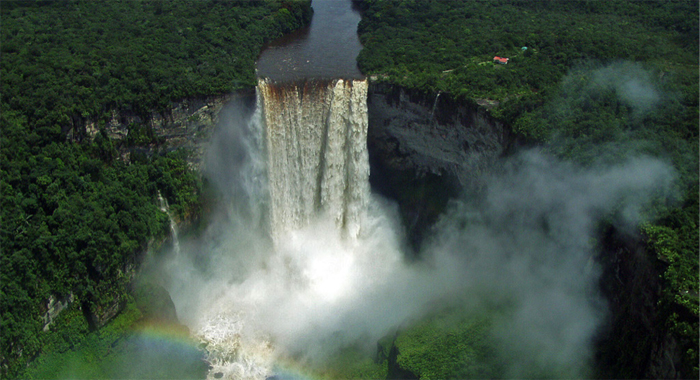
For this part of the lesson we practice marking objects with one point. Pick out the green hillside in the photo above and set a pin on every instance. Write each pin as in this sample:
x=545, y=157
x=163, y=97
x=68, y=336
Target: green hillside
x=74, y=217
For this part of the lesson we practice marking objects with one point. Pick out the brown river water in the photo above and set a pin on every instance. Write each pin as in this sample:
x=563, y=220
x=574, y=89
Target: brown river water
x=326, y=49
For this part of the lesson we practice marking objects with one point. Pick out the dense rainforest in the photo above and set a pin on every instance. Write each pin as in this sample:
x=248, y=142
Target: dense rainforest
x=75, y=217
x=587, y=81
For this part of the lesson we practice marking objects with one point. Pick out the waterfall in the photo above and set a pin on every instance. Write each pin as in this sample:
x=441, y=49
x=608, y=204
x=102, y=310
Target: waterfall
x=316, y=145
x=173, y=227
x=432, y=110
x=300, y=170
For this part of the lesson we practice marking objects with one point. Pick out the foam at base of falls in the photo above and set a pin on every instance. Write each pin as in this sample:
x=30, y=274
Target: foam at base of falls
x=231, y=354
x=314, y=285
x=317, y=160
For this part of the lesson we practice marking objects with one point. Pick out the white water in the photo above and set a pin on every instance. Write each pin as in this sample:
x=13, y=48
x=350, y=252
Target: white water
x=317, y=161
x=308, y=141
x=432, y=110
x=173, y=226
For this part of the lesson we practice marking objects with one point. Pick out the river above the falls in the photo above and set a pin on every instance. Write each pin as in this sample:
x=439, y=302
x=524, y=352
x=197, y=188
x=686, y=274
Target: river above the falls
x=326, y=49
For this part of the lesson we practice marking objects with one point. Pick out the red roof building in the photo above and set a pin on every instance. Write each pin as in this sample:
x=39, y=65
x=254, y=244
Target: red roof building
x=501, y=60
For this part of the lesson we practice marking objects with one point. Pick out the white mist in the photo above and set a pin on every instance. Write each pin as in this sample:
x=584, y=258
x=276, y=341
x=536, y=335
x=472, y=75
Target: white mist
x=304, y=259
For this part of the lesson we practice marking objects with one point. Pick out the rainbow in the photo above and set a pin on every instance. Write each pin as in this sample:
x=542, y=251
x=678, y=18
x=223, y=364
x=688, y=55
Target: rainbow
x=175, y=341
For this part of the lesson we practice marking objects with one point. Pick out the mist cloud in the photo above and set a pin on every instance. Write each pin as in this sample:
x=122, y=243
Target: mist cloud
x=632, y=84
x=521, y=252
x=526, y=246
x=530, y=245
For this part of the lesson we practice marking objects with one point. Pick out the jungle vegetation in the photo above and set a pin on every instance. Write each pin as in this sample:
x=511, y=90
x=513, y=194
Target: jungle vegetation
x=74, y=216
x=587, y=81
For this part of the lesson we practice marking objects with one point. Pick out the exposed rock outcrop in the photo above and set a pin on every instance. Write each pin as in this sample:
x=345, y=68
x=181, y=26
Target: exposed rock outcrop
x=188, y=123
x=434, y=134
x=427, y=148
x=636, y=342
x=54, y=306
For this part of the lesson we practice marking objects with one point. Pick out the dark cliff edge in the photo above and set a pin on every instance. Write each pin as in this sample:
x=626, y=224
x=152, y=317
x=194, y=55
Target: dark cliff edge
x=428, y=148
x=635, y=342
x=185, y=124
x=425, y=149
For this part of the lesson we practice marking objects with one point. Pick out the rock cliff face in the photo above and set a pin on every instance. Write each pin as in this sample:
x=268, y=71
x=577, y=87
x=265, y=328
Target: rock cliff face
x=188, y=123
x=636, y=342
x=426, y=148
x=434, y=134
x=54, y=307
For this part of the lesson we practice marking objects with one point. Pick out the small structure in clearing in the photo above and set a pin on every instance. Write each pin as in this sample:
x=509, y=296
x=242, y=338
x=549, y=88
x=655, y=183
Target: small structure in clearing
x=501, y=60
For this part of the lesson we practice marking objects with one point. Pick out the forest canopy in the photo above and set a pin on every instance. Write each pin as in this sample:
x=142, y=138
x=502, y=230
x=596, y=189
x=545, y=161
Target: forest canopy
x=75, y=216
x=588, y=81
